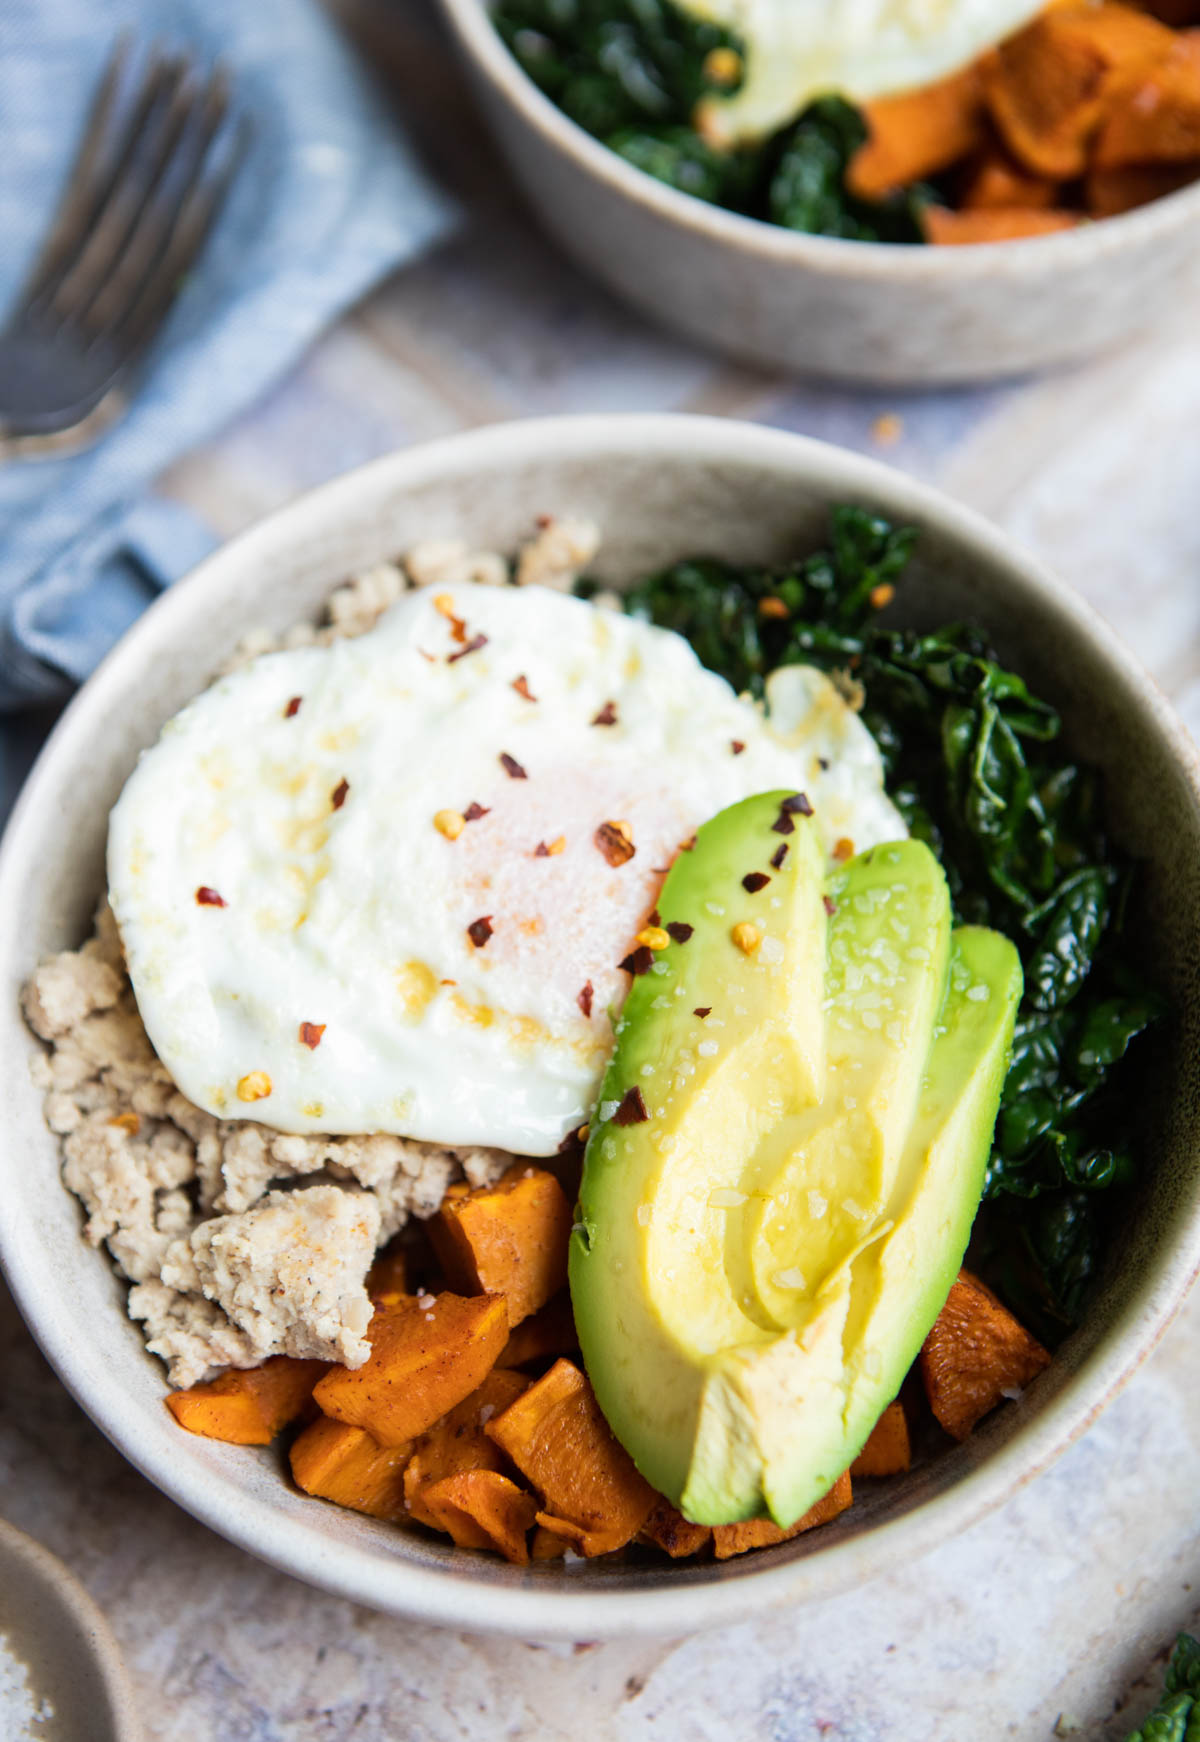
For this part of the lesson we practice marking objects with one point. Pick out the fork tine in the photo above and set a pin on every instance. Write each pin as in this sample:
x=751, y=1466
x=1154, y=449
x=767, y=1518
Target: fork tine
x=147, y=153
x=160, y=211
x=196, y=216
x=75, y=205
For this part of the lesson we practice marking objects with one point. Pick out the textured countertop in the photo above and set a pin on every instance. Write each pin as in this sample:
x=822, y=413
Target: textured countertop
x=1044, y=1613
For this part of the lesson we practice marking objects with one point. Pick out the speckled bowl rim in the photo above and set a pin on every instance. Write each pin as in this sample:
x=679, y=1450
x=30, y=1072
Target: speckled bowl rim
x=85, y=1631
x=833, y=255
x=454, y=1597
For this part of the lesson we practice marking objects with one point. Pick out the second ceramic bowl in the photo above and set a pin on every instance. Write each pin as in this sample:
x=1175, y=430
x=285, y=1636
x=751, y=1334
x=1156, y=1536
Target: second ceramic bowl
x=852, y=311
x=661, y=488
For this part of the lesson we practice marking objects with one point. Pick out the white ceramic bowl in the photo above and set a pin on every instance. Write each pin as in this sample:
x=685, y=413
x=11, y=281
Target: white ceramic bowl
x=661, y=487
x=854, y=311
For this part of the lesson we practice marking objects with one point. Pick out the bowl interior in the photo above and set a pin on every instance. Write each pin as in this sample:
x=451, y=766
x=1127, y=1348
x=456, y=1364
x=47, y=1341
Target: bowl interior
x=660, y=488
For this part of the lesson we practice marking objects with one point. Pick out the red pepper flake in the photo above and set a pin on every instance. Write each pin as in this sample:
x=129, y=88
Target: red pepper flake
x=615, y=841
x=783, y=824
x=686, y=846
x=736, y=745
x=570, y=1143
x=293, y=708
x=206, y=897
x=655, y=917
x=473, y=646
x=432, y=658
x=830, y=905
x=779, y=855
x=512, y=767
x=474, y=811
x=823, y=764
x=310, y=1034
x=753, y=881
x=584, y=999
x=607, y=715
x=480, y=930
x=550, y=849
x=338, y=796
x=521, y=685
x=843, y=849
x=702, y=1010
x=638, y=961
x=543, y=521
x=444, y=605
x=633, y=1109
x=798, y=803
x=680, y=931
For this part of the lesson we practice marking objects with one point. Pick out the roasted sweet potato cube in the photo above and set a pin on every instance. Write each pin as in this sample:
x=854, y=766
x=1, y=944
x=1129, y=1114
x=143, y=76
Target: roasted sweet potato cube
x=334, y=1461
x=918, y=134
x=558, y=1438
x=1047, y=87
x=975, y=1355
x=1109, y=192
x=428, y=1352
x=388, y=1276
x=248, y=1406
x=1155, y=119
x=550, y=1331
x=731, y=1539
x=995, y=179
x=510, y=1238
x=887, y=1451
x=991, y=224
x=483, y=1509
x=670, y=1531
x=458, y=1442
x=544, y=1545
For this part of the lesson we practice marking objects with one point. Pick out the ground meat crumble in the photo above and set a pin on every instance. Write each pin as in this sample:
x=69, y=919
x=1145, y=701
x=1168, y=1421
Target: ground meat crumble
x=230, y=1259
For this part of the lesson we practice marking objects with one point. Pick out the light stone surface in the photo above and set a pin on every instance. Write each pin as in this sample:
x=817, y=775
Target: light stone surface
x=1050, y=1608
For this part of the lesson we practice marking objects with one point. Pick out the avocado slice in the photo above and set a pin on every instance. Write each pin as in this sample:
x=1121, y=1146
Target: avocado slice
x=780, y=1133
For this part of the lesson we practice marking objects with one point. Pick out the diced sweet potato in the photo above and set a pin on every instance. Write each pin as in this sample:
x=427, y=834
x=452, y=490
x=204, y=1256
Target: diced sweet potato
x=428, y=1352
x=1109, y=192
x=334, y=1461
x=887, y=1451
x=917, y=134
x=670, y=1531
x=1047, y=86
x=389, y=1274
x=458, y=1442
x=545, y=1546
x=248, y=1407
x=974, y=1356
x=483, y=1509
x=995, y=179
x=1155, y=119
x=550, y=1331
x=558, y=1438
x=510, y=1238
x=991, y=224
x=731, y=1539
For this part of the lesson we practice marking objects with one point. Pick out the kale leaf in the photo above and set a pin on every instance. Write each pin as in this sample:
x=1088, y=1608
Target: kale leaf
x=807, y=189
x=1176, y=1718
x=631, y=72
x=974, y=764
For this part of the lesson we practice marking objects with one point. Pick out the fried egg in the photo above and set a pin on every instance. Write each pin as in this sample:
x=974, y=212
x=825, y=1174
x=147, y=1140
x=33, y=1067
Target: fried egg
x=387, y=885
x=797, y=50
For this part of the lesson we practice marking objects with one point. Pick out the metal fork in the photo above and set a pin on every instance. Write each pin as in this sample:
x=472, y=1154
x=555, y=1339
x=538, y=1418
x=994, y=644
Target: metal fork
x=151, y=173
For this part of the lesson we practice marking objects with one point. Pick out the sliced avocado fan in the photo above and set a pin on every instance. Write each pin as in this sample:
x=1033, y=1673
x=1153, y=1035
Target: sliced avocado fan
x=786, y=1159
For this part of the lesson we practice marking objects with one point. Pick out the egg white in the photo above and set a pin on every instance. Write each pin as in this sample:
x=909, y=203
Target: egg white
x=344, y=907
x=797, y=50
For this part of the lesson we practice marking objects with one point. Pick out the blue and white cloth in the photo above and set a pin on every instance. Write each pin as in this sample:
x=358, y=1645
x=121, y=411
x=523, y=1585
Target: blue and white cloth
x=328, y=200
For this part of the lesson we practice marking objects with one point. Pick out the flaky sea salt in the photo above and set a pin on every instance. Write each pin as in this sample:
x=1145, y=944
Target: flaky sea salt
x=22, y=1714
